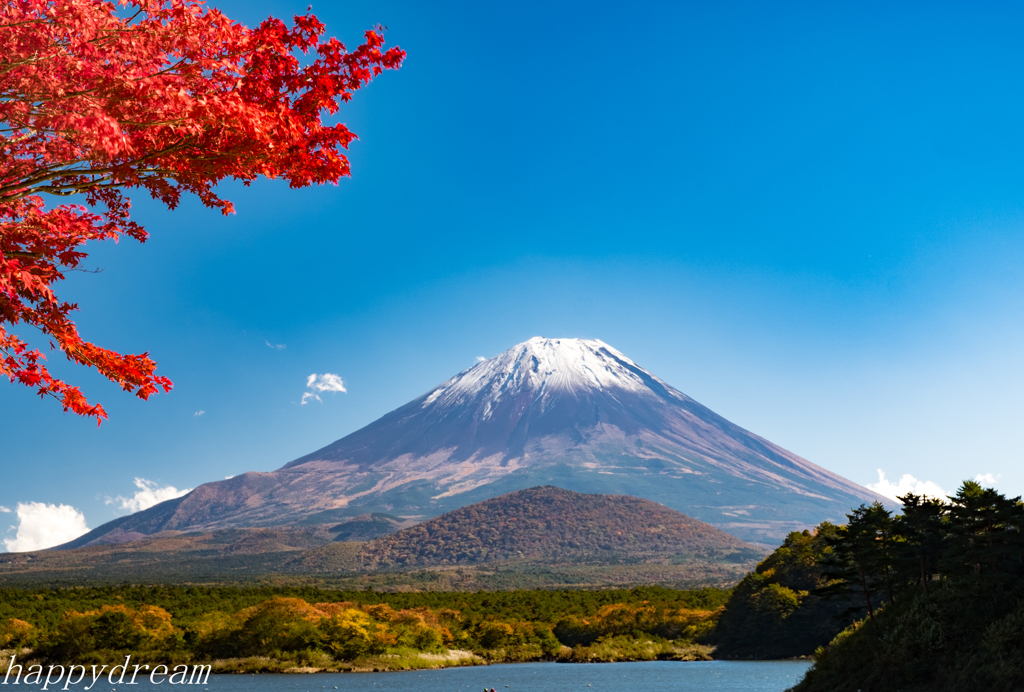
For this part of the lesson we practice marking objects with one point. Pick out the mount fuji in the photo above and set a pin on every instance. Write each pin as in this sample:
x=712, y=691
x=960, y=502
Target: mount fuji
x=573, y=413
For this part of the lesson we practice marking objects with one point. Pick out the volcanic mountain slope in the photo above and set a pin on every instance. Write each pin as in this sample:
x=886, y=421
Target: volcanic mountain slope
x=569, y=412
x=552, y=525
x=529, y=539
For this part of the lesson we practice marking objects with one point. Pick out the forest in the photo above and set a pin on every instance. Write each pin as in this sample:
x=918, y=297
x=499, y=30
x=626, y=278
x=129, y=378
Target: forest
x=930, y=599
x=305, y=629
x=942, y=585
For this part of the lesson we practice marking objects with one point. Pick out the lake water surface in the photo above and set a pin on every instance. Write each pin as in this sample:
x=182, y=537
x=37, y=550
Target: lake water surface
x=658, y=676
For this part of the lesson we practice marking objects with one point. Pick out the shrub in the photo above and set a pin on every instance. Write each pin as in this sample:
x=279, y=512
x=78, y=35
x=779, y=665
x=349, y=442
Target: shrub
x=16, y=634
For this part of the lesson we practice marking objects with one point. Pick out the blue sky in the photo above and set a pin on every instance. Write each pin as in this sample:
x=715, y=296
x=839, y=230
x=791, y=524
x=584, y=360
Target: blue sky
x=807, y=216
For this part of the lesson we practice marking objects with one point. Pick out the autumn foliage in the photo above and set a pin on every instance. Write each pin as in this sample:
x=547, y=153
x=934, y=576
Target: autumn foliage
x=165, y=96
x=261, y=629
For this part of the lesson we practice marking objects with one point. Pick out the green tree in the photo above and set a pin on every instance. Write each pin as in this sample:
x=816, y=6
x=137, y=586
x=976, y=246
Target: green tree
x=278, y=624
x=349, y=634
x=15, y=634
x=921, y=533
x=986, y=530
x=863, y=554
x=114, y=629
x=787, y=596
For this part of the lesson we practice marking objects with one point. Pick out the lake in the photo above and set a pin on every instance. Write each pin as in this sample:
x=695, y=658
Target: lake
x=661, y=676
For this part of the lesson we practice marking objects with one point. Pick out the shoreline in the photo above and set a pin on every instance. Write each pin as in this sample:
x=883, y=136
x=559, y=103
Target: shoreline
x=303, y=671
x=458, y=658
x=408, y=660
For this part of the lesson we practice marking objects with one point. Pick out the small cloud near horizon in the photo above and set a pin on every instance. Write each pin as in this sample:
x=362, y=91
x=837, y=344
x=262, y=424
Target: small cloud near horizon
x=41, y=525
x=276, y=347
x=147, y=495
x=199, y=413
x=906, y=484
x=480, y=359
x=987, y=479
x=328, y=382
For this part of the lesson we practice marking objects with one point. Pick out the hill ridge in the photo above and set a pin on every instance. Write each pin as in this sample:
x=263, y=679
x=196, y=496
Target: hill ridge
x=551, y=524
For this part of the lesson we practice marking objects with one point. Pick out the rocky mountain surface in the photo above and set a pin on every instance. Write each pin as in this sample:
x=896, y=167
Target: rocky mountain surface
x=573, y=413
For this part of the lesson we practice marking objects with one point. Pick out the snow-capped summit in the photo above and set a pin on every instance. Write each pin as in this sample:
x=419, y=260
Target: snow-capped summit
x=543, y=367
x=574, y=413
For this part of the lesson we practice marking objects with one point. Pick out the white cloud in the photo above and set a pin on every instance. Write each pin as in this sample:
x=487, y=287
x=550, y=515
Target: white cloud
x=987, y=479
x=147, y=495
x=276, y=347
x=906, y=484
x=43, y=526
x=480, y=359
x=327, y=382
x=5, y=510
x=200, y=413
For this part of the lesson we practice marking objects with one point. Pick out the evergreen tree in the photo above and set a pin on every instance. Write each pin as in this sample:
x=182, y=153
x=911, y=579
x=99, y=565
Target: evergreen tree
x=985, y=531
x=921, y=533
x=862, y=555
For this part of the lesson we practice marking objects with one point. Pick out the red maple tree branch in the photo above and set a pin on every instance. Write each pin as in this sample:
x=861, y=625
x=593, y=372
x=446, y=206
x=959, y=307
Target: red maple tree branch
x=172, y=99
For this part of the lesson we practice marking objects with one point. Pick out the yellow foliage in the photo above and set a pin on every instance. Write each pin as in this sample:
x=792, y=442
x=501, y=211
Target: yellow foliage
x=382, y=638
x=154, y=620
x=348, y=633
x=213, y=623
x=494, y=634
x=329, y=609
x=413, y=617
x=15, y=633
x=282, y=607
x=446, y=636
x=382, y=612
x=151, y=621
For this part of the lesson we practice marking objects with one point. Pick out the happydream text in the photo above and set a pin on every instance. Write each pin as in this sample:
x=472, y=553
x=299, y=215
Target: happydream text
x=34, y=675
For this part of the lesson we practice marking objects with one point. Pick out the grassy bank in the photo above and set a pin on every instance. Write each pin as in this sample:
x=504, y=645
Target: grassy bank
x=625, y=649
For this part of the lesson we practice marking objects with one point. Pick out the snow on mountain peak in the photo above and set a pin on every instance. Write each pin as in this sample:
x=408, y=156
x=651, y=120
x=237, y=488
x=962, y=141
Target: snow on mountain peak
x=540, y=366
